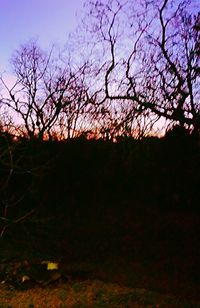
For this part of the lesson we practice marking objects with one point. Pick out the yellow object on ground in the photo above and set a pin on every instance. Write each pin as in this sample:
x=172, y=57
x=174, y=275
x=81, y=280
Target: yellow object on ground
x=52, y=266
x=25, y=278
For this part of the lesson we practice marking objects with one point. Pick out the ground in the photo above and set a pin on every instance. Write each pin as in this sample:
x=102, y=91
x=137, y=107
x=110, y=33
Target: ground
x=142, y=257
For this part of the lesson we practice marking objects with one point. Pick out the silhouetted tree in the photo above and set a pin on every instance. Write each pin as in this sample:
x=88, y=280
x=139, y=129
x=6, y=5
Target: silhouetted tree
x=150, y=53
x=44, y=88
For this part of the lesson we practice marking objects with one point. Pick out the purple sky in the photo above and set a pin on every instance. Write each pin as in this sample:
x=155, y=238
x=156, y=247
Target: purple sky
x=48, y=20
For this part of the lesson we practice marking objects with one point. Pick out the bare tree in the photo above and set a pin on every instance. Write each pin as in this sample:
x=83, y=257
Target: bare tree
x=44, y=88
x=150, y=55
x=173, y=74
x=74, y=116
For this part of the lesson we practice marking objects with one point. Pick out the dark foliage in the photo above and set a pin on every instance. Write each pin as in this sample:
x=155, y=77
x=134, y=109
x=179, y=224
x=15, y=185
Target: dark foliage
x=78, y=174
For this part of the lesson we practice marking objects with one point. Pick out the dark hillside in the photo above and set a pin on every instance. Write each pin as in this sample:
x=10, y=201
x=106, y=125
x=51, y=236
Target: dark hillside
x=129, y=209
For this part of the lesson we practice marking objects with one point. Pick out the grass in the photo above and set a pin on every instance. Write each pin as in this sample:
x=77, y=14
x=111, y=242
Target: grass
x=89, y=294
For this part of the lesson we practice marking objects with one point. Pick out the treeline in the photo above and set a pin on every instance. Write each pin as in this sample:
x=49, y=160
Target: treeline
x=45, y=178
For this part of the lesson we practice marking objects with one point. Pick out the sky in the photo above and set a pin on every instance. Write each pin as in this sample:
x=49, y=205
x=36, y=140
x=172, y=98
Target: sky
x=48, y=21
